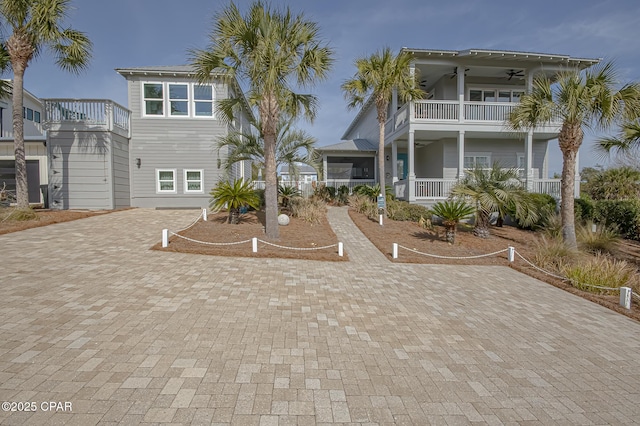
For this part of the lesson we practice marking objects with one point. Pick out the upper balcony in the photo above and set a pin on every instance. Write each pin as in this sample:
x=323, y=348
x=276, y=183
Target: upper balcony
x=450, y=112
x=87, y=114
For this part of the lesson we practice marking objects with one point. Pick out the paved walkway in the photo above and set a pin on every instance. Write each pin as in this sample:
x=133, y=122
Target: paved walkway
x=89, y=316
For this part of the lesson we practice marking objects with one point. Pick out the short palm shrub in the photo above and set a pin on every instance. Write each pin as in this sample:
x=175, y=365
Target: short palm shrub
x=543, y=204
x=342, y=196
x=452, y=212
x=233, y=196
x=286, y=193
x=602, y=271
x=603, y=240
x=373, y=191
x=310, y=210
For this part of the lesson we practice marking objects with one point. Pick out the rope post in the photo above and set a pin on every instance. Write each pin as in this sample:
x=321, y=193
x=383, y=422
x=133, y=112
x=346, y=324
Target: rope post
x=254, y=244
x=165, y=238
x=340, y=249
x=395, y=250
x=204, y=214
x=511, y=254
x=625, y=297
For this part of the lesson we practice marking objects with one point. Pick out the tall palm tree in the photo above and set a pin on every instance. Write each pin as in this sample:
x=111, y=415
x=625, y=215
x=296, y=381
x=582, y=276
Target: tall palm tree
x=293, y=146
x=581, y=100
x=495, y=191
x=274, y=53
x=34, y=25
x=376, y=77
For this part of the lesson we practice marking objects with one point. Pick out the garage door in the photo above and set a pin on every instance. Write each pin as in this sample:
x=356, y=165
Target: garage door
x=8, y=177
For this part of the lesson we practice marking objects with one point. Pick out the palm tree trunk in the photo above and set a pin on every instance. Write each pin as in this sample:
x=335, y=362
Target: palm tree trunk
x=22, y=187
x=569, y=140
x=481, y=229
x=271, y=187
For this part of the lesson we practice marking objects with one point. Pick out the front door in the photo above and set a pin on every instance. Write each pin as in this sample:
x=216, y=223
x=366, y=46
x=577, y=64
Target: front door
x=402, y=166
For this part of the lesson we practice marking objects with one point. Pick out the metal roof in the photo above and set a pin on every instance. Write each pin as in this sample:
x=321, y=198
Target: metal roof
x=350, y=145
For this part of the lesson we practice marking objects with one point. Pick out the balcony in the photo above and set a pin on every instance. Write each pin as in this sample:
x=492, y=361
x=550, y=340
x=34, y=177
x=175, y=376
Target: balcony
x=94, y=114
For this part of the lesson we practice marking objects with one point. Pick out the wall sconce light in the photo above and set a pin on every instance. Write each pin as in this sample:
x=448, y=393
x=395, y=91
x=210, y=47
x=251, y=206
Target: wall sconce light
x=138, y=162
x=388, y=158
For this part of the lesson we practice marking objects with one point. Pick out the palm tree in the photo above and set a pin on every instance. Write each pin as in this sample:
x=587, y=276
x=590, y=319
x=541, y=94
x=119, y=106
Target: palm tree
x=627, y=142
x=292, y=147
x=376, y=78
x=452, y=212
x=33, y=26
x=274, y=53
x=495, y=191
x=233, y=196
x=580, y=100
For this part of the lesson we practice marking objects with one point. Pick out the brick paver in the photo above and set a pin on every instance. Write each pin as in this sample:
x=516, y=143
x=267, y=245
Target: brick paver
x=90, y=316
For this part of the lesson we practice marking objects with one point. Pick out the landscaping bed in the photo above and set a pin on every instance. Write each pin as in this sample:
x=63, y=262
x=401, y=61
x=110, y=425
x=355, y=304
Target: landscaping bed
x=45, y=217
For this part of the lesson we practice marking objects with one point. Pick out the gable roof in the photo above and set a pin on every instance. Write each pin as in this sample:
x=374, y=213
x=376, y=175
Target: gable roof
x=362, y=145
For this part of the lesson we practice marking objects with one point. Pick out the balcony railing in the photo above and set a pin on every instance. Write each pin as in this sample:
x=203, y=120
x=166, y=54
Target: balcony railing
x=91, y=112
x=433, y=189
x=436, y=110
x=487, y=111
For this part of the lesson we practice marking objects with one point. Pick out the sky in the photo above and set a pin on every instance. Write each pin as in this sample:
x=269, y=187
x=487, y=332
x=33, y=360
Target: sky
x=132, y=33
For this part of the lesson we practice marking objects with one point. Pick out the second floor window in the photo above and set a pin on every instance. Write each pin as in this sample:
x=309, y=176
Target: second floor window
x=153, y=99
x=180, y=100
x=495, y=95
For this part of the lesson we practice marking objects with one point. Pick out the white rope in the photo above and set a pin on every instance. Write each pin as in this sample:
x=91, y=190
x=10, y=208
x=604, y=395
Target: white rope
x=634, y=294
x=208, y=243
x=454, y=257
x=574, y=283
x=298, y=248
x=193, y=223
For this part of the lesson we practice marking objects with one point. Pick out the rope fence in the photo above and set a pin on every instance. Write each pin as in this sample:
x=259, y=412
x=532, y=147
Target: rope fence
x=626, y=293
x=254, y=241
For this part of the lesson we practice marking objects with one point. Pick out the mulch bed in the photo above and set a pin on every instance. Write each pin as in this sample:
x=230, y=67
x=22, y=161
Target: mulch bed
x=47, y=217
x=297, y=233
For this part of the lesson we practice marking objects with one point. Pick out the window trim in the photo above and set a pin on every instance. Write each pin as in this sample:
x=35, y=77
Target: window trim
x=186, y=182
x=145, y=99
x=195, y=101
x=496, y=90
x=170, y=99
x=175, y=182
x=476, y=155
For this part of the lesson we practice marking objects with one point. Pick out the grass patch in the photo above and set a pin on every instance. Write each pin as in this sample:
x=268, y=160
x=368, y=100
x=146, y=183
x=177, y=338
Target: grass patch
x=18, y=215
x=602, y=271
x=308, y=209
x=603, y=240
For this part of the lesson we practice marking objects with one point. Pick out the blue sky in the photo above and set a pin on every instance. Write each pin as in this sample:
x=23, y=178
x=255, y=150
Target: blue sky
x=129, y=33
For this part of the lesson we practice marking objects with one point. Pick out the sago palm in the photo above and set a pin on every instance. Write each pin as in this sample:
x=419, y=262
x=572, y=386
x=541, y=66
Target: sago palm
x=452, y=212
x=233, y=196
x=274, y=53
x=495, y=191
x=580, y=100
x=32, y=26
x=286, y=193
x=376, y=78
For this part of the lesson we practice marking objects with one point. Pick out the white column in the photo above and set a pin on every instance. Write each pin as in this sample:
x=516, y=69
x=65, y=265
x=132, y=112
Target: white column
x=528, y=156
x=460, y=154
x=460, y=73
x=324, y=168
x=394, y=161
x=412, y=175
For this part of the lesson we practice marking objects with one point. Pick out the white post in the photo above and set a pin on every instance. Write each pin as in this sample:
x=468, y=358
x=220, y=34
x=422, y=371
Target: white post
x=594, y=228
x=395, y=250
x=528, y=156
x=340, y=249
x=381, y=221
x=511, y=254
x=461, y=154
x=165, y=238
x=254, y=244
x=460, y=87
x=411, y=155
x=625, y=297
x=204, y=214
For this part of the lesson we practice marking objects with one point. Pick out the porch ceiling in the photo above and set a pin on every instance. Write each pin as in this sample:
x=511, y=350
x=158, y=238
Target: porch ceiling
x=425, y=137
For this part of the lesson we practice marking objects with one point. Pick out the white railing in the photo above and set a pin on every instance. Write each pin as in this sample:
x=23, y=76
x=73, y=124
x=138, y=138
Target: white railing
x=86, y=111
x=433, y=188
x=400, y=189
x=548, y=186
x=488, y=111
x=436, y=110
x=349, y=183
x=402, y=116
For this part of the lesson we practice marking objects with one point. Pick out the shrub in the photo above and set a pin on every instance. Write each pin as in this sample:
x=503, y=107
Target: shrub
x=233, y=196
x=452, y=212
x=601, y=271
x=308, y=209
x=343, y=194
x=403, y=211
x=603, y=240
x=583, y=209
x=19, y=215
x=552, y=254
x=363, y=204
x=543, y=204
x=286, y=193
x=552, y=226
x=324, y=192
x=372, y=191
x=625, y=214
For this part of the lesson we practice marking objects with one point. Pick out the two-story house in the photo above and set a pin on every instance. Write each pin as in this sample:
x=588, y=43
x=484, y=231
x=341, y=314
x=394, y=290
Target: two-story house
x=461, y=124
x=35, y=146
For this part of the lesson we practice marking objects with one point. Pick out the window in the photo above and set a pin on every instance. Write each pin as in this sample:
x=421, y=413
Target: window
x=166, y=181
x=36, y=116
x=472, y=161
x=203, y=100
x=153, y=99
x=179, y=99
x=489, y=95
x=193, y=181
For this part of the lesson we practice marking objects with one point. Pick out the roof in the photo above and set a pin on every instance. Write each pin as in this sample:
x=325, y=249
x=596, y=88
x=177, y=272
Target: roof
x=302, y=169
x=159, y=70
x=362, y=145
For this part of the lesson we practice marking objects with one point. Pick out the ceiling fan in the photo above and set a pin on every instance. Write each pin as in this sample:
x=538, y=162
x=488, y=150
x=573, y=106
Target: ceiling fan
x=514, y=73
x=455, y=72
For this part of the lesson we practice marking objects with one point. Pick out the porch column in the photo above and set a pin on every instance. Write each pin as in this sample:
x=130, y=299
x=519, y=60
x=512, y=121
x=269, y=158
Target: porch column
x=528, y=156
x=461, y=154
x=460, y=74
x=325, y=172
x=411, y=179
x=394, y=161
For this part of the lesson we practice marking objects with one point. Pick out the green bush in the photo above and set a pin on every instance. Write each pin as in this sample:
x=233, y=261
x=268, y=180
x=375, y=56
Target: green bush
x=601, y=271
x=403, y=211
x=583, y=209
x=544, y=205
x=625, y=214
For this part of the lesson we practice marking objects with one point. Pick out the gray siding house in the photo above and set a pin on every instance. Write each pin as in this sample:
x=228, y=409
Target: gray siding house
x=174, y=161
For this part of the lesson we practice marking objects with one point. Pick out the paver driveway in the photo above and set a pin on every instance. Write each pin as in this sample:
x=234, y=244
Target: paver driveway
x=89, y=316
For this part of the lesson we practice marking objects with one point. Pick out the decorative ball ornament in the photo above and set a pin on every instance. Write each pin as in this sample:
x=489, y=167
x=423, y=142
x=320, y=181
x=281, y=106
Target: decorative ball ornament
x=283, y=220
